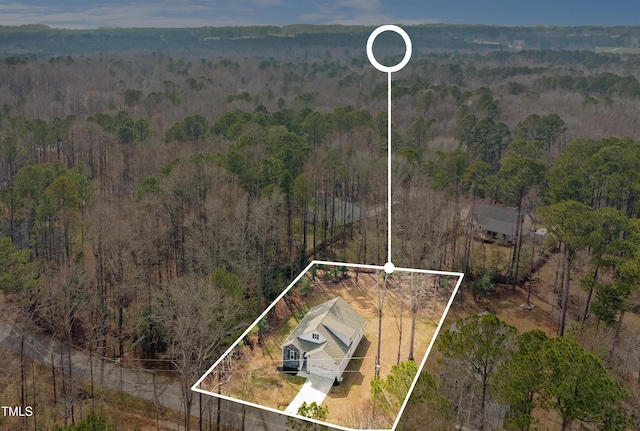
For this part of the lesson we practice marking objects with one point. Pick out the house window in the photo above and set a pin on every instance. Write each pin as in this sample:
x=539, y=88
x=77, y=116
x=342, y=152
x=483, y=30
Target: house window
x=292, y=355
x=315, y=336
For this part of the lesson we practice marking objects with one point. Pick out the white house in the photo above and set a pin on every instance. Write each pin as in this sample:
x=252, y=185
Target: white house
x=325, y=339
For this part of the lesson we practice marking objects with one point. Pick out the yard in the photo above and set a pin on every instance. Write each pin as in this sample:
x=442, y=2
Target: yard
x=255, y=379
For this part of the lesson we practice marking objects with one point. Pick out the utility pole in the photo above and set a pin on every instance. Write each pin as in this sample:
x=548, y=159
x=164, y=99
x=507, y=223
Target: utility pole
x=381, y=294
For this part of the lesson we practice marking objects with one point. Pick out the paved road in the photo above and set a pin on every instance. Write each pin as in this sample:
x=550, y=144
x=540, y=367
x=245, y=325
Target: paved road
x=144, y=384
x=106, y=372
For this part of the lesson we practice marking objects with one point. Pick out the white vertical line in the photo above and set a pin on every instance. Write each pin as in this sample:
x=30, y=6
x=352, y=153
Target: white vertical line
x=389, y=168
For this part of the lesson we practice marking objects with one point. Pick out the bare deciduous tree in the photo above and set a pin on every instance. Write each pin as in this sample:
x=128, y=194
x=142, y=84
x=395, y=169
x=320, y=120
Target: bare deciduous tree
x=199, y=317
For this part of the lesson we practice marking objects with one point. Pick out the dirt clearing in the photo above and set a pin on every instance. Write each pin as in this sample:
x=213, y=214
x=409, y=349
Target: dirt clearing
x=255, y=377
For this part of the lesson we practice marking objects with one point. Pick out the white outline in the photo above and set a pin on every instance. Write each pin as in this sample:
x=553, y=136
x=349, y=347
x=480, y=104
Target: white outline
x=291, y=285
x=389, y=201
x=407, y=53
x=388, y=267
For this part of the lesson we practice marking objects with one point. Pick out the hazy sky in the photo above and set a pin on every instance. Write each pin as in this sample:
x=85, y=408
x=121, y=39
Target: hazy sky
x=196, y=13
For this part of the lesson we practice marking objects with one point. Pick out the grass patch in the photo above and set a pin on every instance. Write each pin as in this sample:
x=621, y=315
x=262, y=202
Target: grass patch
x=295, y=380
x=273, y=389
x=260, y=381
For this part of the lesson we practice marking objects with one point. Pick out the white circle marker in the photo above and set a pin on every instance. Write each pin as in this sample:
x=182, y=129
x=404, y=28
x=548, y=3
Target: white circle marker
x=389, y=267
x=407, y=54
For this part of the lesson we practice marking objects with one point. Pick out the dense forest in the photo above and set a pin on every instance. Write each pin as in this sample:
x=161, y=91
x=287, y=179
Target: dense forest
x=208, y=166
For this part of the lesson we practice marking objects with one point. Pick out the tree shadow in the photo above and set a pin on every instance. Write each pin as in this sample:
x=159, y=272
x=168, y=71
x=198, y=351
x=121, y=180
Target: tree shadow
x=353, y=375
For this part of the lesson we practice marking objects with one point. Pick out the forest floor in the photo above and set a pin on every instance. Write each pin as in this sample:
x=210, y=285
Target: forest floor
x=510, y=305
x=352, y=395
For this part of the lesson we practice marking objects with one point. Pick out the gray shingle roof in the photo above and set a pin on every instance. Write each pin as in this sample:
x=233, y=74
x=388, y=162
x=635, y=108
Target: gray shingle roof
x=328, y=318
x=497, y=219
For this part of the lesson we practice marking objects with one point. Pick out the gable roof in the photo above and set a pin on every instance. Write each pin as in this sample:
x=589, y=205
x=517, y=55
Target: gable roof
x=327, y=318
x=497, y=219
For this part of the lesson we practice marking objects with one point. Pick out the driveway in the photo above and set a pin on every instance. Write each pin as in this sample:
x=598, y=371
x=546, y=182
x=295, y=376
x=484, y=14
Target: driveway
x=315, y=389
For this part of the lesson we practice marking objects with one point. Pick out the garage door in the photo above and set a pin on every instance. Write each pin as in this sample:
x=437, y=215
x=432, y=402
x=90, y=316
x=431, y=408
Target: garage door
x=321, y=371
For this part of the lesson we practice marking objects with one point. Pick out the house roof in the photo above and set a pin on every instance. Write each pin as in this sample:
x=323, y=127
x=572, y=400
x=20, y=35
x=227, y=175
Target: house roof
x=343, y=209
x=497, y=219
x=328, y=318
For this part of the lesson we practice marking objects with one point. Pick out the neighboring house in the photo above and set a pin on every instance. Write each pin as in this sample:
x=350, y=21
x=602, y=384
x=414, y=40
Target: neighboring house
x=344, y=211
x=325, y=339
x=491, y=222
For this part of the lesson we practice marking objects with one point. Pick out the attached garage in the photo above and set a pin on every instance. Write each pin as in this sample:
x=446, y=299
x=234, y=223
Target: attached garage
x=321, y=371
x=326, y=337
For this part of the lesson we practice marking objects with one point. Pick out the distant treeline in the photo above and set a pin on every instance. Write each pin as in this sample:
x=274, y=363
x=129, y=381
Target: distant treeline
x=43, y=40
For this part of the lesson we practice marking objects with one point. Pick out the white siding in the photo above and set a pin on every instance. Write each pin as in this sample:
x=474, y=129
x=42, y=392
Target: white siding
x=347, y=358
x=309, y=337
